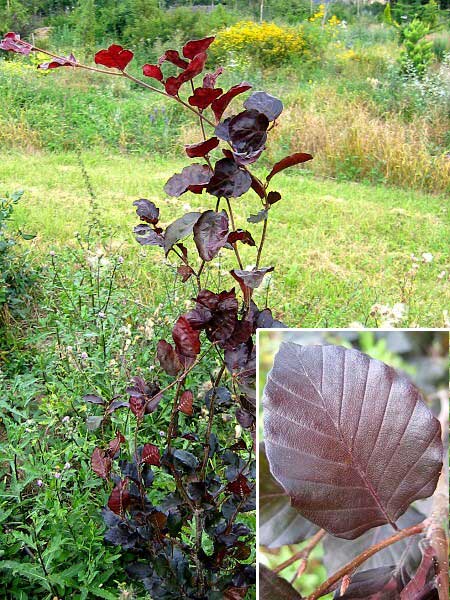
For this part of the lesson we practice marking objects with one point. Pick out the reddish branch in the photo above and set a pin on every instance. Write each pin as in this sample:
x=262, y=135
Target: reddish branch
x=349, y=568
x=303, y=554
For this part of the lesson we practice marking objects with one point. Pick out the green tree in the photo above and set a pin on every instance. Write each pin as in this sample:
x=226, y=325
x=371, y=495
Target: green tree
x=417, y=52
x=85, y=19
x=14, y=16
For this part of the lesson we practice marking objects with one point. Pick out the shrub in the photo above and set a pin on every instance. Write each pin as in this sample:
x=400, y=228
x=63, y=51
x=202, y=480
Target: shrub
x=177, y=502
x=267, y=44
x=417, y=51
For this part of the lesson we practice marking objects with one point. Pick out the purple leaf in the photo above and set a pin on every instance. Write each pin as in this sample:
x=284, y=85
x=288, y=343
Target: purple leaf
x=273, y=197
x=424, y=582
x=147, y=211
x=101, y=463
x=273, y=587
x=211, y=233
x=228, y=180
x=168, y=358
x=185, y=404
x=248, y=131
x=146, y=236
x=192, y=175
x=187, y=339
x=150, y=455
x=279, y=523
x=179, y=229
x=289, y=161
x=13, y=43
x=373, y=584
x=349, y=439
x=270, y=106
x=250, y=279
x=93, y=399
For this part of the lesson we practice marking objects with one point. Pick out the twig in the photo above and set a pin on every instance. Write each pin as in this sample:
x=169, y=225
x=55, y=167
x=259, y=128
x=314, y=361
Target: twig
x=350, y=567
x=210, y=420
x=303, y=553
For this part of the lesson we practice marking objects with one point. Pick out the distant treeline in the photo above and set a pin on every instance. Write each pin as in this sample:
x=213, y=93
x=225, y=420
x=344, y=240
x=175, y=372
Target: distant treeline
x=143, y=22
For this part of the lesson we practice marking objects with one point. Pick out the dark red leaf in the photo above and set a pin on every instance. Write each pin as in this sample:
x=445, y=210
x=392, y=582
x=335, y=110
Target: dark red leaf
x=423, y=578
x=12, y=43
x=187, y=339
x=59, y=62
x=202, y=148
x=220, y=104
x=371, y=584
x=279, y=523
x=216, y=314
x=210, y=79
x=210, y=233
x=174, y=57
x=147, y=211
x=203, y=96
x=239, y=486
x=250, y=279
x=186, y=272
x=137, y=406
x=172, y=85
x=101, y=463
x=115, y=57
x=273, y=197
x=150, y=455
x=228, y=180
x=384, y=446
x=264, y=103
x=272, y=587
x=289, y=161
x=153, y=71
x=119, y=499
x=194, y=47
x=168, y=358
x=93, y=399
x=114, y=445
x=241, y=236
x=179, y=229
x=235, y=593
x=258, y=187
x=191, y=175
x=186, y=402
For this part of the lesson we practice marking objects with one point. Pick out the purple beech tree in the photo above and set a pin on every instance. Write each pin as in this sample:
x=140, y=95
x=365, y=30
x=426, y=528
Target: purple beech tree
x=214, y=480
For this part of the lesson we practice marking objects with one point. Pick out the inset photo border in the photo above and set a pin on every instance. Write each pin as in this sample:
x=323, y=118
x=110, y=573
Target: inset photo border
x=353, y=464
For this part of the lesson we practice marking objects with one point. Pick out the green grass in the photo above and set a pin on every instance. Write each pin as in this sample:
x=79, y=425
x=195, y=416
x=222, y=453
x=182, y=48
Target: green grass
x=337, y=248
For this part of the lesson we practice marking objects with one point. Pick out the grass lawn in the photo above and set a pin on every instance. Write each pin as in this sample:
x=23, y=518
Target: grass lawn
x=338, y=248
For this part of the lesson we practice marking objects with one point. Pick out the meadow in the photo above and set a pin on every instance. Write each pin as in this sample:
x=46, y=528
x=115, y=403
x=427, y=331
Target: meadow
x=360, y=238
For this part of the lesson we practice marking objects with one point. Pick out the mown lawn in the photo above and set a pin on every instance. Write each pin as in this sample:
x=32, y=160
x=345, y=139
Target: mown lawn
x=338, y=247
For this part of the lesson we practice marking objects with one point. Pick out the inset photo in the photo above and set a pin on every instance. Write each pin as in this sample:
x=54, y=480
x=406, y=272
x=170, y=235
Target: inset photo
x=353, y=464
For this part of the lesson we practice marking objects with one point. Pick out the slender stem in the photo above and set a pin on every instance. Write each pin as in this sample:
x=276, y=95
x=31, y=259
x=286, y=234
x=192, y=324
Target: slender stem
x=174, y=414
x=210, y=420
x=349, y=568
x=303, y=553
x=261, y=244
x=236, y=251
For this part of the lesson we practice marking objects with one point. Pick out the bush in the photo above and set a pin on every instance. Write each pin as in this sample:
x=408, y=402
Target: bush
x=417, y=52
x=267, y=44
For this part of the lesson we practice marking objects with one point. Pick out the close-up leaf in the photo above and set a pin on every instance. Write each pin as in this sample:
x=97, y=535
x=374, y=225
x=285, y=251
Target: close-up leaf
x=349, y=438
